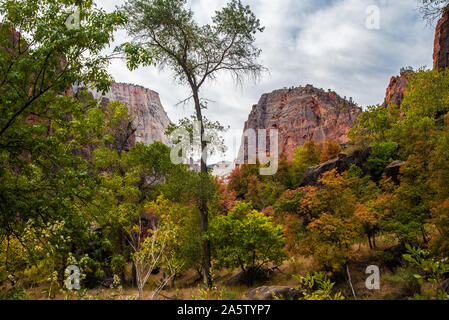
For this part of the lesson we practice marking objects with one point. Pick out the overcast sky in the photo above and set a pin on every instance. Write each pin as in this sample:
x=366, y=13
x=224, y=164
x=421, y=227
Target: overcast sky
x=321, y=42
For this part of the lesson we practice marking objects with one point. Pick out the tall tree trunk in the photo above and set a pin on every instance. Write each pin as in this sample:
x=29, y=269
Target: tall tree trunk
x=369, y=241
x=203, y=202
x=134, y=275
x=424, y=235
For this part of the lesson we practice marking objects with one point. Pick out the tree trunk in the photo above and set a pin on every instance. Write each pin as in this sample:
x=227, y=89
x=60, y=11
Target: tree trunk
x=203, y=202
x=140, y=294
x=369, y=241
x=350, y=281
x=424, y=235
x=134, y=275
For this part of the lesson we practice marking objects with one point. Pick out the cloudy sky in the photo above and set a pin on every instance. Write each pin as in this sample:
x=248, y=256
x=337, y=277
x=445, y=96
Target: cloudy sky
x=321, y=42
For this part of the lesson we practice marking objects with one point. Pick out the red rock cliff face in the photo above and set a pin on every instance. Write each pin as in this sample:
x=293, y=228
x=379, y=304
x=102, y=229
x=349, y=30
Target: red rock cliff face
x=396, y=89
x=145, y=107
x=441, y=46
x=302, y=114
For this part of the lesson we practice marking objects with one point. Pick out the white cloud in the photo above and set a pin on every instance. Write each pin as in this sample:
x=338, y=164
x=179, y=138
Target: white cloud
x=321, y=42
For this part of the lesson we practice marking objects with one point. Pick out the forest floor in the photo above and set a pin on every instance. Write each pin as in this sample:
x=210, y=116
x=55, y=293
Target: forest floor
x=188, y=286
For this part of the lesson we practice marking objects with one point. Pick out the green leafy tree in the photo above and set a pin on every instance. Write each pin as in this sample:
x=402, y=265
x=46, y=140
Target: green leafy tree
x=306, y=156
x=44, y=127
x=382, y=154
x=430, y=269
x=128, y=181
x=246, y=239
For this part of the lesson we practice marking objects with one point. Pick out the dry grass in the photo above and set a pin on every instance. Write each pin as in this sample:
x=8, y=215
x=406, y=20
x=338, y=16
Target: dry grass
x=189, y=287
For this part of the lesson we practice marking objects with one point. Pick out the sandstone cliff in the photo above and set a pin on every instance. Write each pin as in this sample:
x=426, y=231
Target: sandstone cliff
x=396, y=89
x=150, y=118
x=302, y=114
x=441, y=46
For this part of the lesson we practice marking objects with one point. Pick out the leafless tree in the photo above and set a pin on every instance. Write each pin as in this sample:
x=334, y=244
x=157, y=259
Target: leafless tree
x=150, y=252
x=431, y=10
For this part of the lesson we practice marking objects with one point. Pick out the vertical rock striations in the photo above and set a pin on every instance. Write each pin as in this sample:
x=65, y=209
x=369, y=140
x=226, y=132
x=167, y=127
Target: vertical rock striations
x=441, y=45
x=396, y=89
x=302, y=114
x=145, y=107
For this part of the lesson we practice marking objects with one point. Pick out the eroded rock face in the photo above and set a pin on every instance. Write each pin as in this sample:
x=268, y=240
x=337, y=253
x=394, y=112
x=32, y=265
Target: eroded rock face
x=341, y=164
x=396, y=89
x=393, y=171
x=441, y=46
x=300, y=115
x=150, y=118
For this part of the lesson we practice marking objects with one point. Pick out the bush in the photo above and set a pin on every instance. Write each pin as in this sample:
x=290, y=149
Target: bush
x=382, y=155
x=246, y=239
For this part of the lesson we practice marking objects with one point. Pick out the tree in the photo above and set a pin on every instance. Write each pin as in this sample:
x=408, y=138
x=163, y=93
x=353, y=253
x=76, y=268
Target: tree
x=308, y=155
x=45, y=126
x=411, y=203
x=432, y=9
x=246, y=239
x=330, y=151
x=333, y=228
x=167, y=35
x=149, y=239
x=382, y=154
x=127, y=182
x=374, y=125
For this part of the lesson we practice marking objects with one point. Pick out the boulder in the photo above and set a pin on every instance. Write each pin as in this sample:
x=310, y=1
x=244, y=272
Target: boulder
x=393, y=170
x=342, y=164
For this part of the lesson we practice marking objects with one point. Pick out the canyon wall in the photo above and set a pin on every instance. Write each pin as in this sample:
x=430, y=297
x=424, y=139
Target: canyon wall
x=150, y=118
x=398, y=85
x=396, y=89
x=301, y=114
x=441, y=45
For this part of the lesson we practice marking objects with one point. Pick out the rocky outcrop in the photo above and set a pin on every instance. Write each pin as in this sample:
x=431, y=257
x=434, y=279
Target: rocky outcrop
x=441, y=45
x=150, y=118
x=272, y=293
x=393, y=171
x=300, y=115
x=342, y=164
x=396, y=89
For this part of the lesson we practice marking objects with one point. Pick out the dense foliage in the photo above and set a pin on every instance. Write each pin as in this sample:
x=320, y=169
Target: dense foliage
x=76, y=189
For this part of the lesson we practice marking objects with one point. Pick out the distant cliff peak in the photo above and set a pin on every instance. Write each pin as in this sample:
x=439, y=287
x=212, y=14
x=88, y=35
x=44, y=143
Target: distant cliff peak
x=397, y=87
x=441, y=45
x=301, y=114
x=145, y=107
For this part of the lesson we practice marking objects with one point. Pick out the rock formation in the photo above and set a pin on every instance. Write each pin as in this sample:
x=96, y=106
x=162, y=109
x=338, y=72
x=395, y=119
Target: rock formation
x=302, y=114
x=441, y=46
x=342, y=164
x=393, y=171
x=150, y=118
x=397, y=87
